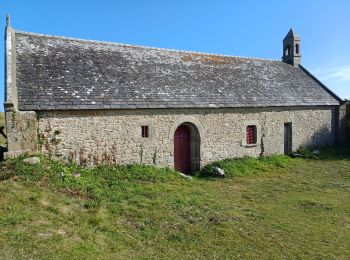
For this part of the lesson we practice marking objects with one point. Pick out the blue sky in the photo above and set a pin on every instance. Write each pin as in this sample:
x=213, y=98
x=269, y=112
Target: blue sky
x=241, y=28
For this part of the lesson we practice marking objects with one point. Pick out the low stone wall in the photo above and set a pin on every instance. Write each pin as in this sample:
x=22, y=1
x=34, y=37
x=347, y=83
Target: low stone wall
x=21, y=131
x=114, y=136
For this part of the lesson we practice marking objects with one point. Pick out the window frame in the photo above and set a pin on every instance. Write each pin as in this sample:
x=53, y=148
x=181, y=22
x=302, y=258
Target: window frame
x=257, y=125
x=144, y=131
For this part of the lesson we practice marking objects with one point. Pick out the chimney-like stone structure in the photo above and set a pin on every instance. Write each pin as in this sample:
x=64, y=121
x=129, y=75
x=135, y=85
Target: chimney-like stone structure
x=291, y=48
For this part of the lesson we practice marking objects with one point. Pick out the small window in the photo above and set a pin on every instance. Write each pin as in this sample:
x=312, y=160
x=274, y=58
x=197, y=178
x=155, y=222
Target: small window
x=144, y=131
x=287, y=51
x=297, y=48
x=251, y=134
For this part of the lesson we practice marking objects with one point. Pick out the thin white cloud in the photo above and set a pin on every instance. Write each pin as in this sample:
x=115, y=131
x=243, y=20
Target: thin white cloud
x=334, y=73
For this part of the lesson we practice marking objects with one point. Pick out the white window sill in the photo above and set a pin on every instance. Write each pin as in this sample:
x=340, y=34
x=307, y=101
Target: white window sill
x=250, y=145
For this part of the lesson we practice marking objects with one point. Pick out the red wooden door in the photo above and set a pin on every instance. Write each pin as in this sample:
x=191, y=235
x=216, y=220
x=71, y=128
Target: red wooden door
x=182, y=153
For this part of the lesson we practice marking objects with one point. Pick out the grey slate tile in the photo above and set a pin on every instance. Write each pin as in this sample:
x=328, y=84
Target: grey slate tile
x=62, y=73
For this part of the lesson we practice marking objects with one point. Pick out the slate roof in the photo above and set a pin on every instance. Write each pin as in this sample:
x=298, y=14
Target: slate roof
x=57, y=73
x=292, y=34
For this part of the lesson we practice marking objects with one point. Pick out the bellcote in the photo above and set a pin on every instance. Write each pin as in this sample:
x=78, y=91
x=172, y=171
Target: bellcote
x=291, y=48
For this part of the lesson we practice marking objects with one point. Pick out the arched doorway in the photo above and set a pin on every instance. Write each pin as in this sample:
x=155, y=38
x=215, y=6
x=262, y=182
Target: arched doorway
x=186, y=148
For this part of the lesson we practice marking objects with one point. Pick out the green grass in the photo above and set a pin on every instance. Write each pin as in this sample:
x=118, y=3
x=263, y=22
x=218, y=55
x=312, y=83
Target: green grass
x=247, y=165
x=2, y=123
x=275, y=207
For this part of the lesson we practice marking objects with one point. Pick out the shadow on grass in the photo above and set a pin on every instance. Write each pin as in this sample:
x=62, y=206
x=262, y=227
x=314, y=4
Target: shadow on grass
x=331, y=152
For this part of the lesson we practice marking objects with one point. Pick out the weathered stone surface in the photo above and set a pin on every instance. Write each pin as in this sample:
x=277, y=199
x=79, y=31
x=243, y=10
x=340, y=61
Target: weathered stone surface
x=114, y=136
x=76, y=175
x=32, y=160
x=21, y=130
x=219, y=172
x=185, y=176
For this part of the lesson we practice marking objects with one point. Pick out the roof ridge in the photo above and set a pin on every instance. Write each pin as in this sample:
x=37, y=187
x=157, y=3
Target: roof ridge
x=144, y=47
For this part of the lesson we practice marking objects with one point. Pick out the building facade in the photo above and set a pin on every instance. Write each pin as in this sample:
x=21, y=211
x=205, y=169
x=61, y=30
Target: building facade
x=95, y=102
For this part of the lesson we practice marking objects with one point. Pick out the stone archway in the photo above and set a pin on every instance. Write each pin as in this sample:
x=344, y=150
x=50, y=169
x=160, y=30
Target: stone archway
x=186, y=148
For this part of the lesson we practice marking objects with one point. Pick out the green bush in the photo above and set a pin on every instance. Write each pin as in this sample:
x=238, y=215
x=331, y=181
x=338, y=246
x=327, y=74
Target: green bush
x=305, y=153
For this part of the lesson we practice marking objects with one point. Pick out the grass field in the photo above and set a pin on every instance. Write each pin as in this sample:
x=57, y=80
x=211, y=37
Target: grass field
x=273, y=208
x=2, y=123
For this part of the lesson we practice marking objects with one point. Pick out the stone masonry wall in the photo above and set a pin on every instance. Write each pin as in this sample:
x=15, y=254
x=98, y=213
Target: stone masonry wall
x=114, y=136
x=21, y=131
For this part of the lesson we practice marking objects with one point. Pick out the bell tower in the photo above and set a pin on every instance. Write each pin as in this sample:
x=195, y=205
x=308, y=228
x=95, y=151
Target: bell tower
x=291, y=48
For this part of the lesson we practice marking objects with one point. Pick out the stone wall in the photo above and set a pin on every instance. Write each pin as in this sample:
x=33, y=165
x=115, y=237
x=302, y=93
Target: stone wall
x=114, y=136
x=21, y=131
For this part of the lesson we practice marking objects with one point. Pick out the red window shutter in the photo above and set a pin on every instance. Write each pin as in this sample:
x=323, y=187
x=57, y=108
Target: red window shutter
x=251, y=134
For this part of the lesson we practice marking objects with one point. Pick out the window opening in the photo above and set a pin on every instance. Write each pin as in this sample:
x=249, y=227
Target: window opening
x=251, y=134
x=144, y=131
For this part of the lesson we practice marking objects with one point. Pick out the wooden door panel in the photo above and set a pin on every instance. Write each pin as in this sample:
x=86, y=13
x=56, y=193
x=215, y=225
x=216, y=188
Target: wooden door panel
x=182, y=152
x=287, y=138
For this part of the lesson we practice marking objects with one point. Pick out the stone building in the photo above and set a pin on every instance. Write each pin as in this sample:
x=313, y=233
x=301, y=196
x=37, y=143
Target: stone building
x=98, y=102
